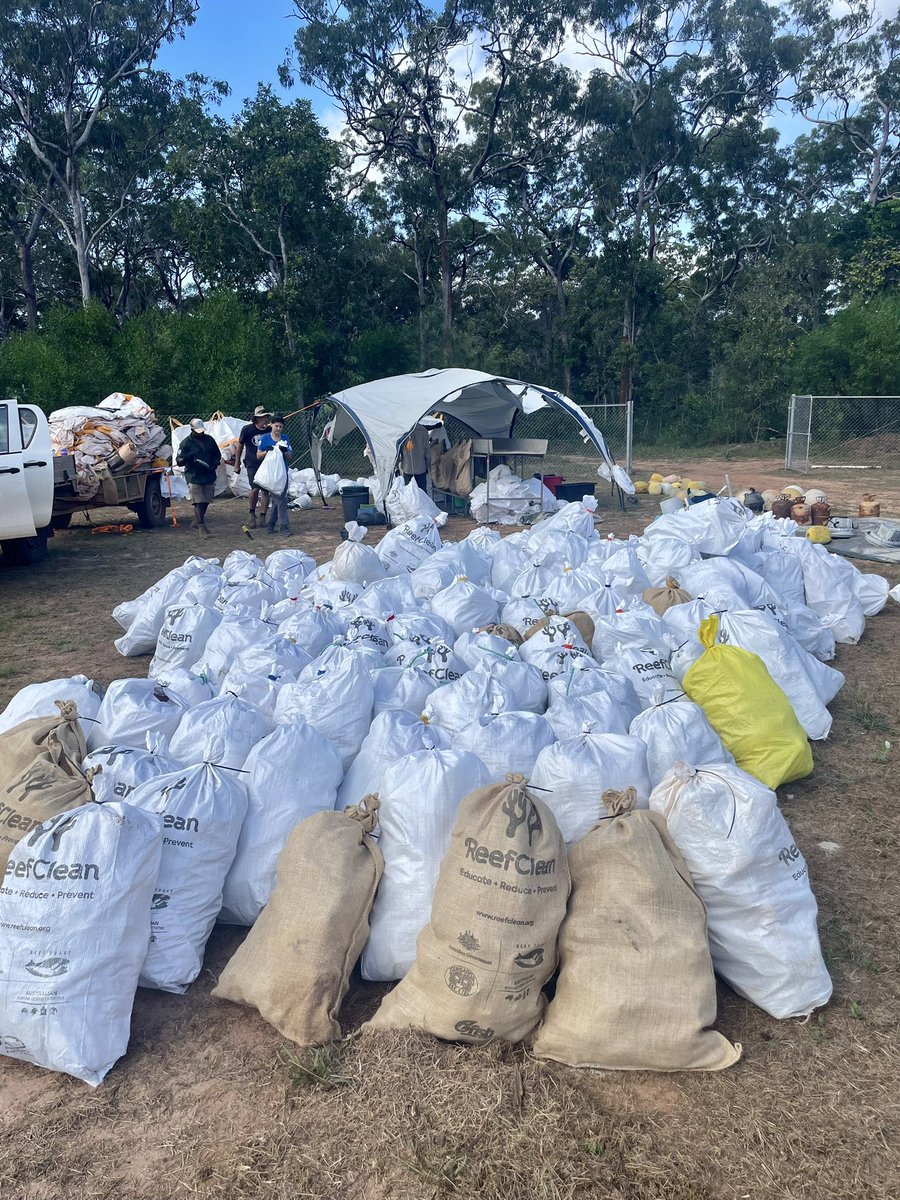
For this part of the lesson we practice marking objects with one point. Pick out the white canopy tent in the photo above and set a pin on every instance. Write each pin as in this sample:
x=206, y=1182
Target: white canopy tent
x=387, y=410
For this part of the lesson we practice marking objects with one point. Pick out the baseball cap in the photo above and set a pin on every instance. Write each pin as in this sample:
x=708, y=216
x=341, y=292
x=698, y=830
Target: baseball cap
x=259, y=411
x=197, y=425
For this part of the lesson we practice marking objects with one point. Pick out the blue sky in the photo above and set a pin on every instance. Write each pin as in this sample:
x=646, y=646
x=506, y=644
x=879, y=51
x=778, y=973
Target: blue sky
x=242, y=42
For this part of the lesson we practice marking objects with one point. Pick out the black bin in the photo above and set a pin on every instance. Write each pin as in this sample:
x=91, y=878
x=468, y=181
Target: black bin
x=573, y=491
x=351, y=499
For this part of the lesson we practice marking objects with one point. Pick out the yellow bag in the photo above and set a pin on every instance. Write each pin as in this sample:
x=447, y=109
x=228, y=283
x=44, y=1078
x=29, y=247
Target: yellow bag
x=748, y=710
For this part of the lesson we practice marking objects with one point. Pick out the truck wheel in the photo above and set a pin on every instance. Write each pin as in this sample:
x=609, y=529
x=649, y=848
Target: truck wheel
x=151, y=511
x=62, y=521
x=26, y=552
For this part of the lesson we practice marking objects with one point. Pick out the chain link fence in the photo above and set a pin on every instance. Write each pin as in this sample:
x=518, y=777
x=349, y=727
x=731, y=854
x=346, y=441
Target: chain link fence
x=843, y=433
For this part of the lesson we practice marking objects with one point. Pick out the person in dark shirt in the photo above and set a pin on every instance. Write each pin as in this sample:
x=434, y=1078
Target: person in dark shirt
x=199, y=455
x=248, y=445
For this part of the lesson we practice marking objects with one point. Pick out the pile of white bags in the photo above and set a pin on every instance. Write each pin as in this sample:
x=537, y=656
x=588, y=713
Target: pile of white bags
x=421, y=672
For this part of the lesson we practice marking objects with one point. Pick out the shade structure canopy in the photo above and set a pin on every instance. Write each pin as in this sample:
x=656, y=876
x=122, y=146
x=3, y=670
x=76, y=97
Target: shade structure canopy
x=387, y=410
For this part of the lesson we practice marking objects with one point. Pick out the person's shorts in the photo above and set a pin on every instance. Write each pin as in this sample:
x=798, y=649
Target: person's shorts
x=202, y=493
x=251, y=469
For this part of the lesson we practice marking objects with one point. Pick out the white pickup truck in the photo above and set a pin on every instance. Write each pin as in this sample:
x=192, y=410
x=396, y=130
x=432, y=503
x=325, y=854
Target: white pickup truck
x=37, y=493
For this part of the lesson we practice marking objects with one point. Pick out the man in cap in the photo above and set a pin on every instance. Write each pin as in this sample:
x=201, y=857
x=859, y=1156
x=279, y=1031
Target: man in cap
x=200, y=457
x=248, y=445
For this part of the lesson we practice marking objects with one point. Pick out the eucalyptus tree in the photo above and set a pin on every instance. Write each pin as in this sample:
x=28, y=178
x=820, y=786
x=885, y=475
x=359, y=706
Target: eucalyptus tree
x=406, y=75
x=64, y=65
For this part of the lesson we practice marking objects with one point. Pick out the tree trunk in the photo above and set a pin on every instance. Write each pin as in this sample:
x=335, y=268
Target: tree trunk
x=565, y=339
x=446, y=273
x=420, y=284
x=29, y=292
x=79, y=230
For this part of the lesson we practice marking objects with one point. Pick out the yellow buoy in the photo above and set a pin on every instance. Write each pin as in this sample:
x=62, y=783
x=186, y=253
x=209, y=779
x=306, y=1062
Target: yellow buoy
x=656, y=477
x=818, y=534
x=655, y=487
x=640, y=486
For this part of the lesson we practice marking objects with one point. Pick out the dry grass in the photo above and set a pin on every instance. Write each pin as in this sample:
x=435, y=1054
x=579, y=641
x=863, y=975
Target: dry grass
x=211, y=1103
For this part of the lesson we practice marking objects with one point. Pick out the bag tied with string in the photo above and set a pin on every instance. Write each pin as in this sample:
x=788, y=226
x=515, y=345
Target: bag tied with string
x=490, y=945
x=636, y=990
x=754, y=880
x=748, y=710
x=50, y=785
x=60, y=736
x=294, y=965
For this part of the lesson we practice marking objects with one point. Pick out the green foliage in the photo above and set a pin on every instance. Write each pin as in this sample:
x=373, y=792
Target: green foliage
x=222, y=354
x=856, y=354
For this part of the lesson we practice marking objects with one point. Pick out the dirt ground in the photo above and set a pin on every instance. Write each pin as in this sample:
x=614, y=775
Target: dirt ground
x=210, y=1102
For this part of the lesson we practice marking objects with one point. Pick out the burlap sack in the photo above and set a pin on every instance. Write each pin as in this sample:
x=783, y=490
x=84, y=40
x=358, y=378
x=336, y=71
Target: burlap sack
x=60, y=736
x=294, y=965
x=509, y=632
x=43, y=790
x=582, y=622
x=636, y=989
x=491, y=943
x=662, y=598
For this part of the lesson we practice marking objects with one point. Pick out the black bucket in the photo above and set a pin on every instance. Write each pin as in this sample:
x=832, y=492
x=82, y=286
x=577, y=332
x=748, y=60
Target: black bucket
x=351, y=499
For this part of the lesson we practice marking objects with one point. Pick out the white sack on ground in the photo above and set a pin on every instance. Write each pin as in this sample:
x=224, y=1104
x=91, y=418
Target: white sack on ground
x=408, y=545
x=312, y=629
x=808, y=683
x=259, y=672
x=587, y=677
x=222, y=731
x=434, y=659
x=39, y=700
x=677, y=731
x=182, y=639
x=387, y=596
x=355, y=562
x=753, y=878
x=291, y=774
x=236, y=632
x=132, y=709
x=572, y=776
x=508, y=743
x=419, y=798
x=142, y=618
x=337, y=699
x=401, y=688
x=193, y=686
x=203, y=809
x=601, y=711
x=649, y=668
x=465, y=606
x=70, y=956
x=392, y=735
x=124, y=768
x=476, y=694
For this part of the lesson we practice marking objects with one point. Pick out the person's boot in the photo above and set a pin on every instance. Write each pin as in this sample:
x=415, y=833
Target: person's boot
x=203, y=531
x=251, y=520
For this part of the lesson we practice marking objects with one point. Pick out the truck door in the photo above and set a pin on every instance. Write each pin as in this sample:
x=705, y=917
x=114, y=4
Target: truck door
x=37, y=454
x=15, y=506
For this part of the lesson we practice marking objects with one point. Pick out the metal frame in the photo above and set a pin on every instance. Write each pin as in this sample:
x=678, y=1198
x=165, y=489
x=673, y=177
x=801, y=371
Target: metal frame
x=793, y=460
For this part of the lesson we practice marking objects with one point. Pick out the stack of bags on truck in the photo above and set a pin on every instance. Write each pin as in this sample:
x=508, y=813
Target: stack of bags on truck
x=120, y=433
x=462, y=763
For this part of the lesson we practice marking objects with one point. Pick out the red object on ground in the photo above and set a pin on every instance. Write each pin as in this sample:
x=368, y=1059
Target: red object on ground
x=551, y=481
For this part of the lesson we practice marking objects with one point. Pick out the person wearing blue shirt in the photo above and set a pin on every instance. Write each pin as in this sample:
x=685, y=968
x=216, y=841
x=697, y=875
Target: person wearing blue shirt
x=275, y=440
